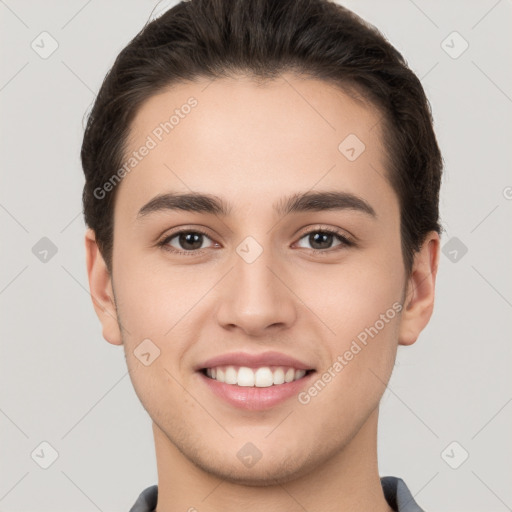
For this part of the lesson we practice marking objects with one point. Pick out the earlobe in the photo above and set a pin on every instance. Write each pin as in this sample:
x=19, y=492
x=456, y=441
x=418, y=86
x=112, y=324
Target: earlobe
x=100, y=286
x=419, y=302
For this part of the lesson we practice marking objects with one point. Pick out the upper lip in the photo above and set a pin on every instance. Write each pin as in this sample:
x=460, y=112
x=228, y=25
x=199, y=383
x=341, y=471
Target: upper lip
x=270, y=358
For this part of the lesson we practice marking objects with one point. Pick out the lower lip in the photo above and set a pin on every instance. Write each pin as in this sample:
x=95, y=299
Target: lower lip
x=254, y=398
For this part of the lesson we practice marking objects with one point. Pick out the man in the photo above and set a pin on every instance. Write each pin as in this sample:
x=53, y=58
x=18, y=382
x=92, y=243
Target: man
x=262, y=186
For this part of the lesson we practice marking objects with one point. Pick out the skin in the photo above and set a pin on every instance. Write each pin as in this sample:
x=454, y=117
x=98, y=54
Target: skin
x=247, y=142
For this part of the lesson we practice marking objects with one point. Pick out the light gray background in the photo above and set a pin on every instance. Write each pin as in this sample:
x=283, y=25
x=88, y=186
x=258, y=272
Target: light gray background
x=63, y=384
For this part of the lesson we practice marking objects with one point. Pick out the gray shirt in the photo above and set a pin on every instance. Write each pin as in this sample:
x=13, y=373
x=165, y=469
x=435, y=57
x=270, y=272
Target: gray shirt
x=396, y=493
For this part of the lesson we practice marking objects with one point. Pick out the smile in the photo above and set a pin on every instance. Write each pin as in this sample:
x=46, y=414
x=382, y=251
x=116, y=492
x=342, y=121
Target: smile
x=262, y=377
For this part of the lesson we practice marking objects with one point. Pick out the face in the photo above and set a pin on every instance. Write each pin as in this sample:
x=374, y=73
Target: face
x=321, y=281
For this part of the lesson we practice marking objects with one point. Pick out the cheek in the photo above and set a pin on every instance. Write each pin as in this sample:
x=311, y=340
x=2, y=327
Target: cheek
x=350, y=297
x=144, y=311
x=158, y=307
x=361, y=305
x=360, y=359
x=153, y=298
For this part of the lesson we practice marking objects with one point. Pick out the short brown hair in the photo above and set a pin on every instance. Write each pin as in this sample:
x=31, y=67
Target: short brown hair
x=264, y=38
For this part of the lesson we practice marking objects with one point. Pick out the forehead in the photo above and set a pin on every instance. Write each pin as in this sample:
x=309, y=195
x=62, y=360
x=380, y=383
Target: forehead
x=237, y=138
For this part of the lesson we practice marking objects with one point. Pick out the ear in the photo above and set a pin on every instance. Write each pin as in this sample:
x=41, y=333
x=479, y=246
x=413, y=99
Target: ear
x=419, y=302
x=100, y=285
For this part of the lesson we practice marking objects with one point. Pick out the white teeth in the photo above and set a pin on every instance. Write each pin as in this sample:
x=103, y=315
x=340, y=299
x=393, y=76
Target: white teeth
x=279, y=376
x=299, y=374
x=289, y=375
x=245, y=377
x=263, y=377
x=231, y=375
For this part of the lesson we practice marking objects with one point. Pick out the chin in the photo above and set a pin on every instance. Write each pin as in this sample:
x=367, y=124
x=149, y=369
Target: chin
x=262, y=474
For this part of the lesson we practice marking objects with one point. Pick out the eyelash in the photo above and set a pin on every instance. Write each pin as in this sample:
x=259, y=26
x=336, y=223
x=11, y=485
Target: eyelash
x=345, y=242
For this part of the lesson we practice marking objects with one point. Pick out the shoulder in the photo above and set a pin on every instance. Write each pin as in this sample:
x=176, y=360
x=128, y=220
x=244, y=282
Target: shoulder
x=146, y=502
x=398, y=495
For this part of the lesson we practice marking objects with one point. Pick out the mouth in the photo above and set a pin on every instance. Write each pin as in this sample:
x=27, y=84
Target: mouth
x=260, y=377
x=255, y=389
x=253, y=381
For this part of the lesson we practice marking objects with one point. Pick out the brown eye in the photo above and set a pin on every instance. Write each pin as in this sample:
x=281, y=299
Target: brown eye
x=185, y=241
x=321, y=240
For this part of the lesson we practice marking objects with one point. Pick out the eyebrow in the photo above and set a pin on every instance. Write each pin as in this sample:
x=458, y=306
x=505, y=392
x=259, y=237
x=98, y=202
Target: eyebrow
x=296, y=203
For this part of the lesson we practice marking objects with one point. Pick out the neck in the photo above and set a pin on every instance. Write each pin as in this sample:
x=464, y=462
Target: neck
x=347, y=481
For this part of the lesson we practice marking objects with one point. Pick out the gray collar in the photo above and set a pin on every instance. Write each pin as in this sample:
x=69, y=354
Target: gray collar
x=397, y=495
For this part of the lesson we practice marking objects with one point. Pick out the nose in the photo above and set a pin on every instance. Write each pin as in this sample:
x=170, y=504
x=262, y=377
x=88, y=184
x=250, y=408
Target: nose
x=257, y=296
